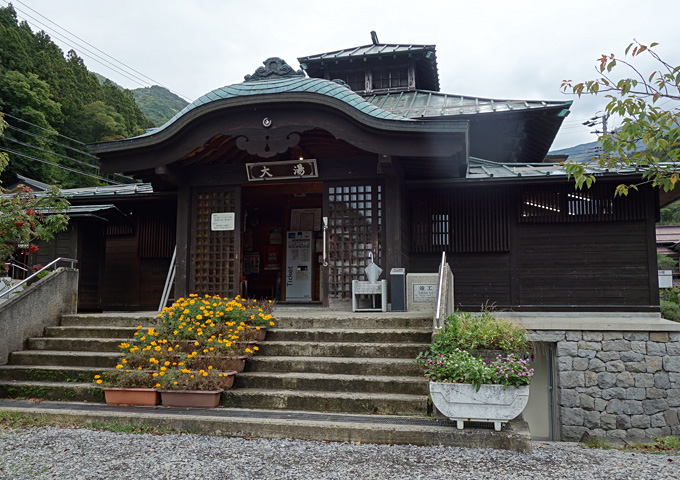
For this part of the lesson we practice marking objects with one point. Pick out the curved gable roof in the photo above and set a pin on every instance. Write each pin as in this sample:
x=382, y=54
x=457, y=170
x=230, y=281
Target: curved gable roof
x=279, y=85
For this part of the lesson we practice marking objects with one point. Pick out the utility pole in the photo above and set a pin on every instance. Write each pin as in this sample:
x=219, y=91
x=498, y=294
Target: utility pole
x=591, y=122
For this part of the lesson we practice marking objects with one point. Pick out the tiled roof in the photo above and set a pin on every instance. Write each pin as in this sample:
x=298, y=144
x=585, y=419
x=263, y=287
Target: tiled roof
x=368, y=50
x=317, y=86
x=109, y=190
x=420, y=103
x=483, y=169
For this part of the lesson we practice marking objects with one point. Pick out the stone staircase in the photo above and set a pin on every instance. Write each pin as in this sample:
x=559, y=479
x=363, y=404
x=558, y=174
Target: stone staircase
x=313, y=360
x=61, y=364
x=337, y=363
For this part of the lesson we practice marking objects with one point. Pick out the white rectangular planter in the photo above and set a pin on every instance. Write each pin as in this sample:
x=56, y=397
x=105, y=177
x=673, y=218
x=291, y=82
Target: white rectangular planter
x=461, y=402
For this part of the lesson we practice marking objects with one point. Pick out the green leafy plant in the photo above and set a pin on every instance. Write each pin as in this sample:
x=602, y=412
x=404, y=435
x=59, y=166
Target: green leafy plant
x=649, y=135
x=457, y=366
x=126, y=378
x=670, y=310
x=451, y=358
x=665, y=262
x=185, y=379
x=480, y=332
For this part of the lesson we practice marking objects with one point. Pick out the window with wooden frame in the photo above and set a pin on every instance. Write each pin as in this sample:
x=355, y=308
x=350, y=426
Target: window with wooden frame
x=389, y=77
x=563, y=203
x=459, y=220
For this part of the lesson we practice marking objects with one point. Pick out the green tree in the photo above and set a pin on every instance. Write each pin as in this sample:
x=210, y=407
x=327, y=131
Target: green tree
x=647, y=104
x=26, y=217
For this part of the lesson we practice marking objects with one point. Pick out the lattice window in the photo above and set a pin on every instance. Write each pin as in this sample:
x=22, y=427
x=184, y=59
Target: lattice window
x=390, y=77
x=215, y=264
x=566, y=204
x=459, y=220
x=355, y=230
x=356, y=79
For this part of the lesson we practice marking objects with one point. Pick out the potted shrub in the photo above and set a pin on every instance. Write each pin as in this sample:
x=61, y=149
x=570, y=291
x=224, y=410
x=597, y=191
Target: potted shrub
x=128, y=387
x=464, y=386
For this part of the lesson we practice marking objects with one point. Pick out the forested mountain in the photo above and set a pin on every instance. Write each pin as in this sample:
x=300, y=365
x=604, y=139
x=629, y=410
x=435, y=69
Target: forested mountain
x=46, y=97
x=158, y=103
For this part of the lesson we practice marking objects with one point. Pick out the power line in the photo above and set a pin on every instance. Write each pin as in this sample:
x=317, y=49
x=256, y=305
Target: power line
x=45, y=129
x=9, y=150
x=61, y=156
x=11, y=127
x=92, y=56
x=140, y=80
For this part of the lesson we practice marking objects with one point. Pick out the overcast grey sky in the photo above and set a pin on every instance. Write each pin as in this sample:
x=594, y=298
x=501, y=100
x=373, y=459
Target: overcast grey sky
x=494, y=49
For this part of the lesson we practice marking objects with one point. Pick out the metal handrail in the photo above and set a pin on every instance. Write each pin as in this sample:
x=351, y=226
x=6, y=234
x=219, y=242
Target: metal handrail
x=72, y=261
x=169, y=280
x=440, y=292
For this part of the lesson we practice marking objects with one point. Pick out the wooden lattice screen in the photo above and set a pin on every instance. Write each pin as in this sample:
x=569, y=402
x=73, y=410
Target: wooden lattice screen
x=355, y=230
x=214, y=253
x=564, y=203
x=459, y=221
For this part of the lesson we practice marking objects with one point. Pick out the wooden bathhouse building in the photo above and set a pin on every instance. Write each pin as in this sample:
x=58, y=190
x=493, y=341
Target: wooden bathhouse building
x=243, y=180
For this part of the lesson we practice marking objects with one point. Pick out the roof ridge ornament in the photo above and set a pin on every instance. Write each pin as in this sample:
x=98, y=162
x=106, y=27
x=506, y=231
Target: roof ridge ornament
x=273, y=67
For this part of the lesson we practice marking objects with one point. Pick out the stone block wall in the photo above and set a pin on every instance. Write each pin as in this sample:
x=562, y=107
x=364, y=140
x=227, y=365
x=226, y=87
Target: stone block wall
x=616, y=384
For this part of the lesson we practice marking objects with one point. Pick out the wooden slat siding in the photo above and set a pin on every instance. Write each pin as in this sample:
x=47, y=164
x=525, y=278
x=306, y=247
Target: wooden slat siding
x=112, y=230
x=91, y=264
x=405, y=229
x=120, y=286
x=459, y=220
x=583, y=264
x=479, y=278
x=152, y=279
x=157, y=232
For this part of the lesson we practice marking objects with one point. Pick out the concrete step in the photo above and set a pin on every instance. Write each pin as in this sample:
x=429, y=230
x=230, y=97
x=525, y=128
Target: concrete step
x=347, y=402
x=421, y=335
x=331, y=365
x=49, y=373
x=332, y=382
x=63, y=358
x=348, y=320
x=341, y=349
x=90, y=332
x=329, y=427
x=76, y=344
x=108, y=319
x=65, y=391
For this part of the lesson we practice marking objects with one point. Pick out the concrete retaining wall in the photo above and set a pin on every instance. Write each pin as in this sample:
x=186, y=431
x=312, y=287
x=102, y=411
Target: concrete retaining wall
x=616, y=384
x=39, y=306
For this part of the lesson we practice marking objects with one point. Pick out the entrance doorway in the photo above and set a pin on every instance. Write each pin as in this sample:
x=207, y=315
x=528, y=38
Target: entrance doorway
x=281, y=241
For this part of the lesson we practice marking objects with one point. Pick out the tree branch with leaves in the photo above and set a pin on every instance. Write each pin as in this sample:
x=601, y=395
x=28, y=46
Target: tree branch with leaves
x=26, y=217
x=648, y=105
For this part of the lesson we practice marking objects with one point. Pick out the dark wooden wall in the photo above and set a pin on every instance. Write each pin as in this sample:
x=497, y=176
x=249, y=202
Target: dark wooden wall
x=83, y=241
x=138, y=254
x=539, y=247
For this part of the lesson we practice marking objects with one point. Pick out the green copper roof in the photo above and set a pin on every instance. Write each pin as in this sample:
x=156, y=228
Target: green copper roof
x=278, y=84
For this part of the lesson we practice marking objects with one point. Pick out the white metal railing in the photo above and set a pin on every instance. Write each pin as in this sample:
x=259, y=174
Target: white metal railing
x=25, y=281
x=169, y=280
x=444, y=295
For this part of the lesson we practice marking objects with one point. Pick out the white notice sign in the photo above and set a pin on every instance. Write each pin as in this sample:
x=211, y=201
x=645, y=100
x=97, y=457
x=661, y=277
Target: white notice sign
x=424, y=293
x=222, y=221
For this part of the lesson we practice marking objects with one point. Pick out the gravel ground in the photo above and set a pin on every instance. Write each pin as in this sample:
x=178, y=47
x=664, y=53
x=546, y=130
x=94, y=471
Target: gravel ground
x=81, y=454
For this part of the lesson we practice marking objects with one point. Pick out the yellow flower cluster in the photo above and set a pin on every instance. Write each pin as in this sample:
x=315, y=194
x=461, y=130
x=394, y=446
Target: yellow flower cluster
x=195, y=341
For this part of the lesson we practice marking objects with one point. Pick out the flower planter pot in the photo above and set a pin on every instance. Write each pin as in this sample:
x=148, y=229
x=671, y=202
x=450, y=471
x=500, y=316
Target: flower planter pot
x=260, y=334
x=492, y=403
x=191, y=398
x=147, y=397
